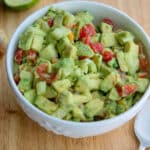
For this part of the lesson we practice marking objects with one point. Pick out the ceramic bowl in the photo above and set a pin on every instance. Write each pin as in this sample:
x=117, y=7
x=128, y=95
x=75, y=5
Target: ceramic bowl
x=68, y=128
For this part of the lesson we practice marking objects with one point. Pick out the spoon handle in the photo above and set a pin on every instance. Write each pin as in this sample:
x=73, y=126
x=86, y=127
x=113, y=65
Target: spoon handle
x=142, y=147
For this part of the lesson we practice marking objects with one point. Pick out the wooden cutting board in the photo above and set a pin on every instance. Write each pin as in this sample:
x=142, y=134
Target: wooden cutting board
x=18, y=132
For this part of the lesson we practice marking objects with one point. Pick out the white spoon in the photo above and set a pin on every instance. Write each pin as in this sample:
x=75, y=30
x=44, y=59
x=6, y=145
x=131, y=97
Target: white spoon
x=142, y=127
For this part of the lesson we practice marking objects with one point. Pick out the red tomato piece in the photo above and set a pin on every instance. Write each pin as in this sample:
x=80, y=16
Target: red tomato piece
x=51, y=22
x=143, y=74
x=144, y=64
x=16, y=78
x=32, y=55
x=108, y=21
x=52, y=77
x=19, y=56
x=42, y=68
x=83, y=57
x=126, y=90
x=86, y=40
x=97, y=47
x=87, y=30
x=107, y=55
x=49, y=78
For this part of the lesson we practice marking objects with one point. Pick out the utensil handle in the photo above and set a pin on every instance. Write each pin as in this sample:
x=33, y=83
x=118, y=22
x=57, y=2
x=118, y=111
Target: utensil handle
x=142, y=147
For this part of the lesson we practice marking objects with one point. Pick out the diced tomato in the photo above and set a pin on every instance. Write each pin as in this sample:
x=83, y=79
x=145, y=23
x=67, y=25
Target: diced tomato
x=49, y=78
x=32, y=55
x=126, y=90
x=18, y=56
x=108, y=21
x=83, y=57
x=107, y=55
x=52, y=77
x=51, y=22
x=143, y=74
x=42, y=71
x=42, y=68
x=86, y=40
x=16, y=78
x=97, y=47
x=144, y=64
x=87, y=30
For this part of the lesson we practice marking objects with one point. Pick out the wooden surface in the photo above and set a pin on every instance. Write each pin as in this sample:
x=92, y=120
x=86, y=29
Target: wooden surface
x=18, y=132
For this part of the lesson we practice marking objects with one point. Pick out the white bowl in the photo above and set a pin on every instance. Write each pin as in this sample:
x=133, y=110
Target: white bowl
x=68, y=128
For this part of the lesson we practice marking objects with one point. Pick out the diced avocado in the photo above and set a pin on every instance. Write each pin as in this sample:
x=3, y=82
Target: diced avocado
x=49, y=39
x=83, y=50
x=113, y=95
x=78, y=113
x=65, y=66
x=142, y=84
x=121, y=60
x=76, y=31
x=30, y=95
x=84, y=17
x=98, y=95
x=68, y=19
x=88, y=65
x=85, y=83
x=120, y=109
x=36, y=31
x=83, y=64
x=93, y=108
x=61, y=112
x=105, y=70
x=60, y=32
x=92, y=67
x=37, y=42
x=70, y=51
x=49, y=52
x=41, y=61
x=15, y=68
x=62, y=44
x=50, y=92
x=24, y=85
x=26, y=75
x=108, y=39
x=66, y=100
x=43, y=25
x=131, y=57
x=26, y=80
x=41, y=88
x=25, y=40
x=61, y=85
x=104, y=27
x=58, y=20
x=45, y=105
x=80, y=99
x=124, y=36
x=110, y=108
x=113, y=63
x=96, y=38
x=109, y=82
x=97, y=60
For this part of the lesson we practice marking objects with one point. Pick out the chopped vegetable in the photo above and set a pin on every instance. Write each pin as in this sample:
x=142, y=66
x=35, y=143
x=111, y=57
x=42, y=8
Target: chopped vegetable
x=73, y=70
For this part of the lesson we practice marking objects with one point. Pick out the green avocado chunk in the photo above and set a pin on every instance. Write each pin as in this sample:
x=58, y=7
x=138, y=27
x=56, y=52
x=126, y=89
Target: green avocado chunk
x=83, y=50
x=45, y=105
x=93, y=108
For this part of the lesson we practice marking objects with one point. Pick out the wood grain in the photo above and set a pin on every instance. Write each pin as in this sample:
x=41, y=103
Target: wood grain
x=18, y=132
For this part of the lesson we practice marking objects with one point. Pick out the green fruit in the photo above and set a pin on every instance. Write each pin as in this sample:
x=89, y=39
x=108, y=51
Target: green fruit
x=20, y=4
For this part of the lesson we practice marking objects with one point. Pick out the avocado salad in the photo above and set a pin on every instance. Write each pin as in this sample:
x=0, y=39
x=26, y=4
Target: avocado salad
x=72, y=69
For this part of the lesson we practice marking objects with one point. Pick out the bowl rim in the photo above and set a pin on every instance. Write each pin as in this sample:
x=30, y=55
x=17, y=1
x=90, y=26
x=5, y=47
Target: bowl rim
x=134, y=109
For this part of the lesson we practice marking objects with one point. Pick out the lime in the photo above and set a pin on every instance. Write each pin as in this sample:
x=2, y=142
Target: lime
x=20, y=4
